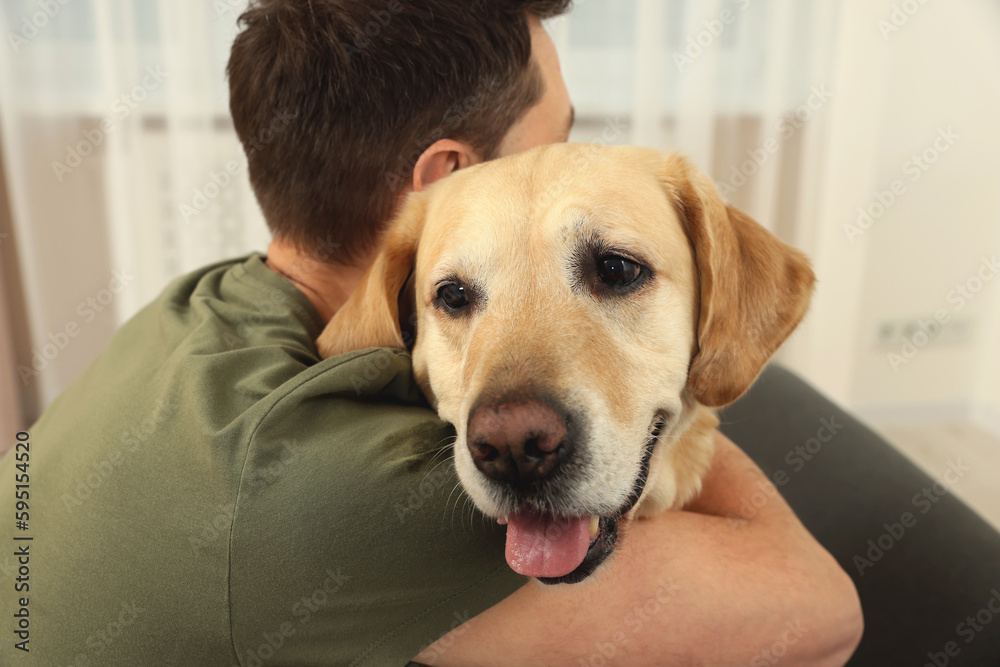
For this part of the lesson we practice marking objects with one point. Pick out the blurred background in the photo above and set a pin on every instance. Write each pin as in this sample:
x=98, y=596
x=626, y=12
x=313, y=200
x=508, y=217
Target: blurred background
x=862, y=131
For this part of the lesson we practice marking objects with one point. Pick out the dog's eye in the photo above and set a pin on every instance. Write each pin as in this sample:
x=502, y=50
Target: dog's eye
x=617, y=271
x=453, y=295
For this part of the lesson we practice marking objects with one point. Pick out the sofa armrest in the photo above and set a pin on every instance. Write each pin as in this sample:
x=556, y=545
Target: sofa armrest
x=927, y=568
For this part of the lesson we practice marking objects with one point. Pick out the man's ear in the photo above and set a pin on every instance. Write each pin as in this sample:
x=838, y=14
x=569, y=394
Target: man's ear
x=754, y=288
x=440, y=159
x=370, y=318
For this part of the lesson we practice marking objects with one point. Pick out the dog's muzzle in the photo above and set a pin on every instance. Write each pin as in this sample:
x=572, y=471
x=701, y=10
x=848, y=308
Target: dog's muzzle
x=522, y=444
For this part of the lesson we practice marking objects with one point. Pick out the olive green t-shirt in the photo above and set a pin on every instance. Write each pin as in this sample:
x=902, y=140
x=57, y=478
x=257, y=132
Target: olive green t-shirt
x=210, y=492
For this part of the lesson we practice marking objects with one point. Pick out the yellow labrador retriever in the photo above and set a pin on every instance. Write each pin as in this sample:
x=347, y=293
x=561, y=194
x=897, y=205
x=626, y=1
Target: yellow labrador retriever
x=579, y=309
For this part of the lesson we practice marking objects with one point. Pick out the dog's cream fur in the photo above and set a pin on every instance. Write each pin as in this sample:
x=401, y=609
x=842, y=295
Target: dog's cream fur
x=724, y=295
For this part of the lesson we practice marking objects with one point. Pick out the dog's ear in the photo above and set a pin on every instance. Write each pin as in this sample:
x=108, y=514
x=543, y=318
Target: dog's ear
x=754, y=289
x=370, y=317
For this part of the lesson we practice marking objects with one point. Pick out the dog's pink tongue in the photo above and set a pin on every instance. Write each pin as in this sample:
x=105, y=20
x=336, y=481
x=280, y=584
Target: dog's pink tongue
x=541, y=545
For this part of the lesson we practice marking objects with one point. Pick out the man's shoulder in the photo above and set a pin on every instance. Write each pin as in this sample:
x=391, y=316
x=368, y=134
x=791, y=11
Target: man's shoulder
x=219, y=344
x=304, y=499
x=233, y=305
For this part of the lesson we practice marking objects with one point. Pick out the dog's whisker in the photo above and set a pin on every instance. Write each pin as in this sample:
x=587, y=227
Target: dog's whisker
x=439, y=455
x=455, y=507
x=433, y=467
x=472, y=509
x=472, y=517
x=439, y=448
x=437, y=465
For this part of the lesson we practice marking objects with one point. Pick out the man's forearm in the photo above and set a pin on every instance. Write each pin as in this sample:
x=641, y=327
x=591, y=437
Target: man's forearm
x=700, y=586
x=818, y=590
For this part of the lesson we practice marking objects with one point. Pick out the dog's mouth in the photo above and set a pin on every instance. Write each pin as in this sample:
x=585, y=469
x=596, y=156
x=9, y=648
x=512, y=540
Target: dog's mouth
x=566, y=550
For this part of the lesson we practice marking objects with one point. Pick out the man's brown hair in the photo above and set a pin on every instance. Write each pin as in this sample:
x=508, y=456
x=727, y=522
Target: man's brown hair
x=334, y=101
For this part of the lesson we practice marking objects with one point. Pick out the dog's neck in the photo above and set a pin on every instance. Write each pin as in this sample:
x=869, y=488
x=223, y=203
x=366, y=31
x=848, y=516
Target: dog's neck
x=327, y=285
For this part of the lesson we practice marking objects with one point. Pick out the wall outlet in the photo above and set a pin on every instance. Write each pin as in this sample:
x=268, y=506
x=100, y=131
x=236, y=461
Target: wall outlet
x=894, y=333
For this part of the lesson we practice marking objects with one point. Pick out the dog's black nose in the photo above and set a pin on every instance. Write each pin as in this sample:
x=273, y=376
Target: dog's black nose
x=518, y=442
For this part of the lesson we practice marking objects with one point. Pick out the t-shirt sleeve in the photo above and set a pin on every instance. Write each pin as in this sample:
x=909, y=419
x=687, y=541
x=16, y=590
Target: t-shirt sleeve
x=353, y=542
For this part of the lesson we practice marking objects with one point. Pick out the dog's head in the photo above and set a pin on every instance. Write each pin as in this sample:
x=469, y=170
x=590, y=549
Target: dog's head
x=573, y=307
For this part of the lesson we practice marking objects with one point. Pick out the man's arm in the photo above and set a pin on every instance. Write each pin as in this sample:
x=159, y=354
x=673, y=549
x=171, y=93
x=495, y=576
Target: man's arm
x=693, y=587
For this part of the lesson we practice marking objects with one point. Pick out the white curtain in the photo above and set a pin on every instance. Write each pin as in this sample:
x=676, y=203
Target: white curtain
x=123, y=161
x=138, y=87
x=123, y=169
x=727, y=82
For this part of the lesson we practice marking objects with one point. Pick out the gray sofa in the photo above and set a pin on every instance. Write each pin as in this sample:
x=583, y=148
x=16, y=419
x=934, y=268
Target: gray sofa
x=927, y=568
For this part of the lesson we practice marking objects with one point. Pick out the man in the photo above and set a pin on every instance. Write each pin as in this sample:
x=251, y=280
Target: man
x=210, y=492
x=658, y=551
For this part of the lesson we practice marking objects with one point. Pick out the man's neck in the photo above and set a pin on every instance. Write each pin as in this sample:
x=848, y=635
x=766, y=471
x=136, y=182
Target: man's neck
x=326, y=285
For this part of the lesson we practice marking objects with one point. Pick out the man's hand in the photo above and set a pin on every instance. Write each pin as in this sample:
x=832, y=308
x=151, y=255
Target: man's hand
x=702, y=586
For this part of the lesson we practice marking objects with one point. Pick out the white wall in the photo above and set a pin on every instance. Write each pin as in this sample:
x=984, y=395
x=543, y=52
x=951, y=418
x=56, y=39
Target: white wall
x=944, y=75
x=986, y=410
